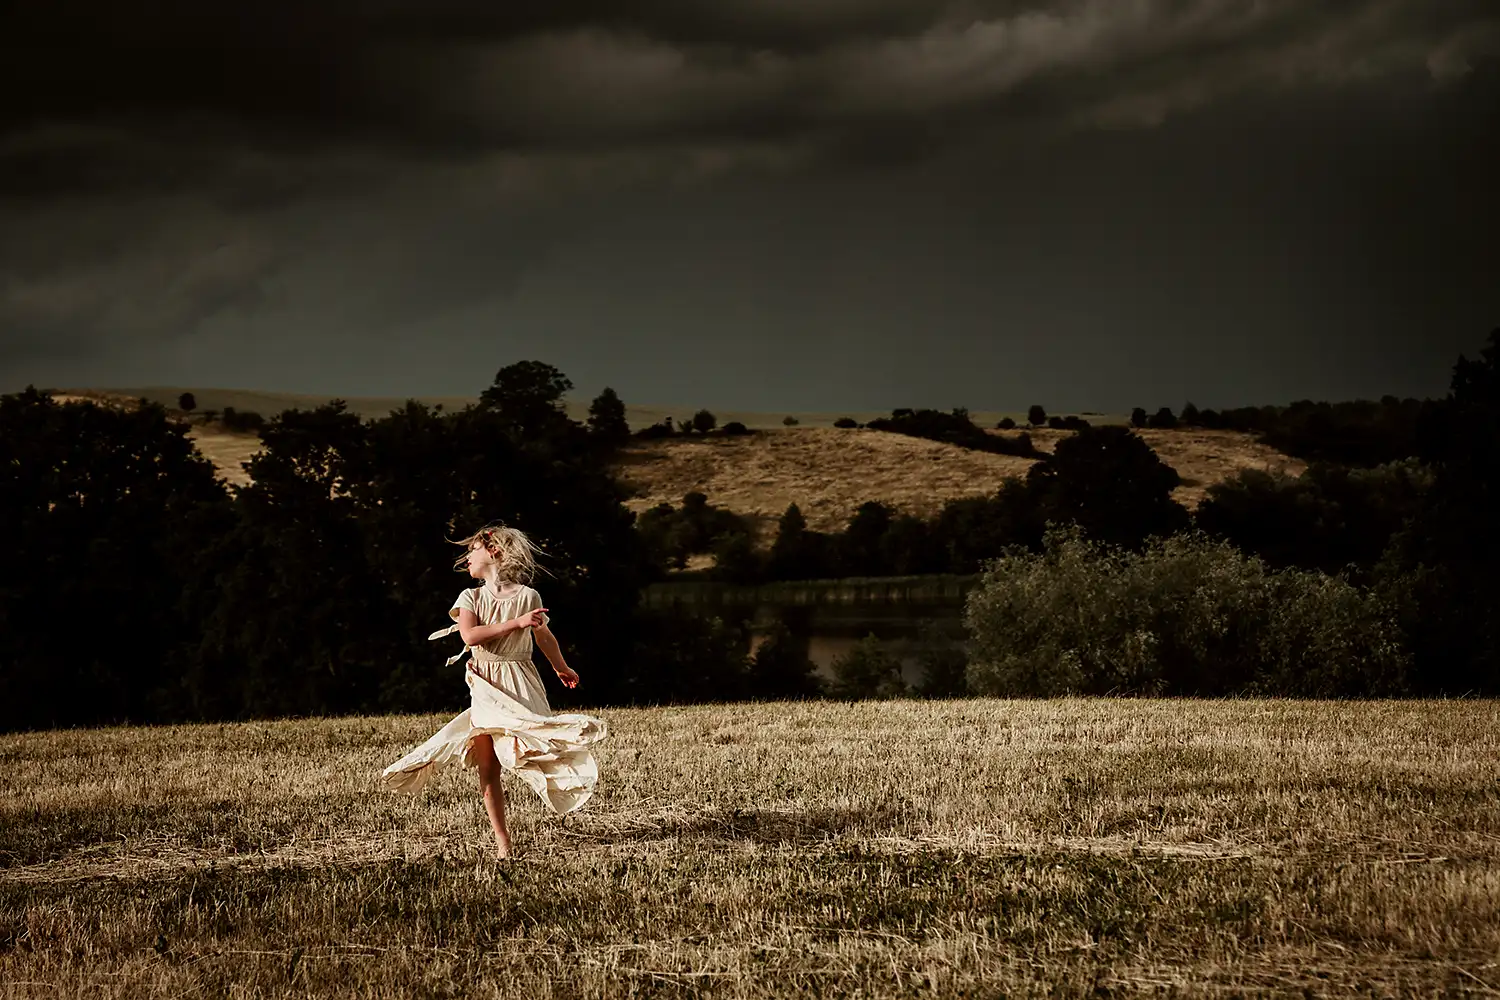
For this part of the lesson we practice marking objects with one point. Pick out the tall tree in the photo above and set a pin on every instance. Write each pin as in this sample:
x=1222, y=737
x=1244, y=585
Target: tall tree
x=607, y=418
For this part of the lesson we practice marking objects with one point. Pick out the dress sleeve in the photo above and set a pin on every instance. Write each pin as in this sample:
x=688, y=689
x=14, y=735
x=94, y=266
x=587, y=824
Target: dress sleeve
x=464, y=602
x=534, y=601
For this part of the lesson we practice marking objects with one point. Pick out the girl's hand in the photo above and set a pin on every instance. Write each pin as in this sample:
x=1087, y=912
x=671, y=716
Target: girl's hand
x=532, y=619
x=567, y=676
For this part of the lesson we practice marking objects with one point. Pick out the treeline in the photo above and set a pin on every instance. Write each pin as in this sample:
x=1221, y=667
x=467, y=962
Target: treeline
x=136, y=586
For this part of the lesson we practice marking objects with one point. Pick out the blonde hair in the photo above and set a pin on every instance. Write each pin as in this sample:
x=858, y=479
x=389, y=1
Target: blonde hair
x=512, y=549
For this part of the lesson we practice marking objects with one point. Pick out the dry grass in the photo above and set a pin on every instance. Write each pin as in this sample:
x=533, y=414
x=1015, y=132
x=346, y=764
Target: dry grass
x=828, y=473
x=874, y=849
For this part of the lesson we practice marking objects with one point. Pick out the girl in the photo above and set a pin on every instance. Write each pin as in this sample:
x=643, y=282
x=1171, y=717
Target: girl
x=508, y=723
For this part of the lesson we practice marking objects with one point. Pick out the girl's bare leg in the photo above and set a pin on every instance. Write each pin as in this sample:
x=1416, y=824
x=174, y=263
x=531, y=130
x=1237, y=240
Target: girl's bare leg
x=493, y=793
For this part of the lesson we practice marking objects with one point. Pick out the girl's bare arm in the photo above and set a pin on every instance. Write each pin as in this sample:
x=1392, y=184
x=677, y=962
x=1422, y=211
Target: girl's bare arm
x=474, y=633
x=547, y=643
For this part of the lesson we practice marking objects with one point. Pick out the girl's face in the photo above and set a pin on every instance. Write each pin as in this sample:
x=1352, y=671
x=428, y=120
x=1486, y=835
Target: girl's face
x=479, y=559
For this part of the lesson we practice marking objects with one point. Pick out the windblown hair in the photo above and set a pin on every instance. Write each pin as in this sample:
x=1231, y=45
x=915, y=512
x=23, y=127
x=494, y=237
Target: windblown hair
x=515, y=552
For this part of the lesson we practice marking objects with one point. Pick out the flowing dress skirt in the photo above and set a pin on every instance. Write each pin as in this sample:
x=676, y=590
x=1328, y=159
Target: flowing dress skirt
x=508, y=703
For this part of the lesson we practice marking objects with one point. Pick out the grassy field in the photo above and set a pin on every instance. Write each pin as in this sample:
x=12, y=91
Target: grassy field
x=829, y=472
x=977, y=848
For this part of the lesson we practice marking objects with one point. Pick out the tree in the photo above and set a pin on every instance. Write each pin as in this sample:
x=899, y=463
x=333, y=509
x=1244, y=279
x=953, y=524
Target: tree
x=1190, y=415
x=105, y=511
x=860, y=546
x=607, y=419
x=790, y=421
x=186, y=403
x=1442, y=566
x=1111, y=484
x=1037, y=415
x=528, y=398
x=797, y=553
x=704, y=421
x=1138, y=417
x=1163, y=419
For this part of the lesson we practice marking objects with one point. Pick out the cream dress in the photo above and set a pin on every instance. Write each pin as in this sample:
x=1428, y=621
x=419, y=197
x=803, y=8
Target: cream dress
x=507, y=701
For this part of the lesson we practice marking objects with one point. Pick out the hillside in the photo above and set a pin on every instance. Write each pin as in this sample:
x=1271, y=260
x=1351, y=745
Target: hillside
x=829, y=472
x=826, y=471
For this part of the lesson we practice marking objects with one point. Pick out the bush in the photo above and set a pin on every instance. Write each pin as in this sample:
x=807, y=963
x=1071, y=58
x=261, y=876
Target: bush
x=1037, y=415
x=657, y=431
x=1056, y=423
x=1075, y=423
x=1138, y=417
x=950, y=428
x=243, y=421
x=1006, y=424
x=1163, y=419
x=867, y=671
x=790, y=421
x=780, y=667
x=846, y=422
x=1187, y=616
x=735, y=429
x=703, y=421
x=187, y=403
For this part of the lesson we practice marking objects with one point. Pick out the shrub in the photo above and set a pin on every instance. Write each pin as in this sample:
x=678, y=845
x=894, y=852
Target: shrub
x=867, y=671
x=656, y=431
x=735, y=429
x=790, y=421
x=1006, y=424
x=1163, y=419
x=1188, y=615
x=780, y=668
x=1138, y=417
x=703, y=421
x=243, y=421
x=1056, y=423
x=186, y=403
x=846, y=422
x=1037, y=415
x=949, y=428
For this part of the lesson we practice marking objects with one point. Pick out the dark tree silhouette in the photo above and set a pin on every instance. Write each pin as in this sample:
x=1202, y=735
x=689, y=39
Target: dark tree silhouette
x=187, y=403
x=704, y=421
x=1111, y=484
x=1037, y=415
x=104, y=511
x=607, y=419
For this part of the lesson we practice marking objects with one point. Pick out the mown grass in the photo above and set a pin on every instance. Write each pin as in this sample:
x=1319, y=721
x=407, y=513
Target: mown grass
x=1073, y=847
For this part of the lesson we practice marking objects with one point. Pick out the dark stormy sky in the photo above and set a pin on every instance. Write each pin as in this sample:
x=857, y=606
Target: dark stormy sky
x=753, y=204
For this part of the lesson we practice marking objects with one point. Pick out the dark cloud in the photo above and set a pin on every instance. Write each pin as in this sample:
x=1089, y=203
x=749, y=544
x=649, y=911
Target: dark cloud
x=453, y=78
x=166, y=167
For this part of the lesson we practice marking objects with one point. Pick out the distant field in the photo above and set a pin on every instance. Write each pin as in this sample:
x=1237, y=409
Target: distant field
x=880, y=849
x=828, y=472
